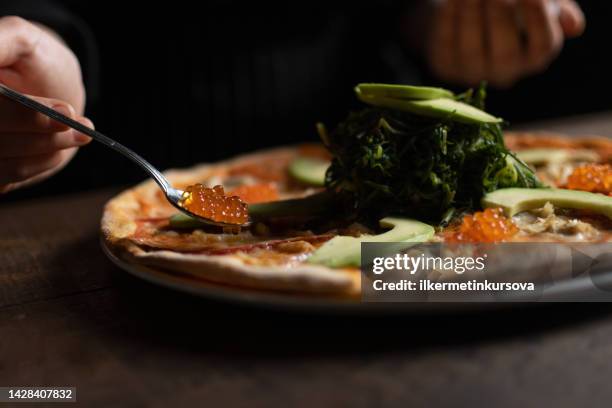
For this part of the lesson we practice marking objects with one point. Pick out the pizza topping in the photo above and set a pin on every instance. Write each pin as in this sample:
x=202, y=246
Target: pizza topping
x=344, y=251
x=544, y=156
x=489, y=225
x=213, y=204
x=517, y=200
x=257, y=193
x=602, y=146
x=422, y=163
x=314, y=151
x=295, y=247
x=155, y=236
x=556, y=174
x=270, y=245
x=546, y=220
x=260, y=229
x=264, y=171
x=156, y=233
x=309, y=171
x=596, y=178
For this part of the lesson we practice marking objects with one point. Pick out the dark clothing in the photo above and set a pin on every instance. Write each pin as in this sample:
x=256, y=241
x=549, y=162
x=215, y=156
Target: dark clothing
x=195, y=84
x=198, y=81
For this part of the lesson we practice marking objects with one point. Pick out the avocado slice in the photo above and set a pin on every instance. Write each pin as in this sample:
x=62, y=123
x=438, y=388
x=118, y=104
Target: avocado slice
x=435, y=108
x=346, y=251
x=309, y=171
x=183, y=221
x=547, y=156
x=516, y=200
x=315, y=204
x=403, y=91
x=311, y=205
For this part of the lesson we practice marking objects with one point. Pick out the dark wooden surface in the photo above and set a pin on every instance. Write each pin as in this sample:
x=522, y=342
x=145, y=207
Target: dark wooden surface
x=69, y=317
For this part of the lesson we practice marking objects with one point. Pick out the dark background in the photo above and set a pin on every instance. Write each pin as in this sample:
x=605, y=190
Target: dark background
x=187, y=82
x=182, y=85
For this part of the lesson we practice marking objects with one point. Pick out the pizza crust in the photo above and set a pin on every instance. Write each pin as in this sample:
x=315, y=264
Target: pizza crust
x=230, y=270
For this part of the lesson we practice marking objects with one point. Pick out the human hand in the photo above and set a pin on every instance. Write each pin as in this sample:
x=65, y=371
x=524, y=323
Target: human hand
x=33, y=60
x=500, y=41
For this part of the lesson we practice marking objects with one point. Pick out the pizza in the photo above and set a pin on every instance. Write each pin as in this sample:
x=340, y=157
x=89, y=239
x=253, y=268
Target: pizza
x=136, y=224
x=136, y=228
x=418, y=165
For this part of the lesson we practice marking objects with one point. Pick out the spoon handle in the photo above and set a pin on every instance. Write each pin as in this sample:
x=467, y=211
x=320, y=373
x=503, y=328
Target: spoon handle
x=55, y=115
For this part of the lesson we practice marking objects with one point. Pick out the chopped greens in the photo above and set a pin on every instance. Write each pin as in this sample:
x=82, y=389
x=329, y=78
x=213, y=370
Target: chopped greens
x=396, y=162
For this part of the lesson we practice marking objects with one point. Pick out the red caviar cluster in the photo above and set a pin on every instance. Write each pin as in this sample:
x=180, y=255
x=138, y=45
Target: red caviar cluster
x=596, y=178
x=489, y=225
x=212, y=203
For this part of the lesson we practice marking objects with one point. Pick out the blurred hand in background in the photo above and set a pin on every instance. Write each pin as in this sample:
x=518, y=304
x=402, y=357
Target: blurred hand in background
x=500, y=41
x=35, y=61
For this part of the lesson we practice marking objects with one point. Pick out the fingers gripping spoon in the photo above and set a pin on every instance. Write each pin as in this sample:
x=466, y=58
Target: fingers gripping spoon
x=175, y=196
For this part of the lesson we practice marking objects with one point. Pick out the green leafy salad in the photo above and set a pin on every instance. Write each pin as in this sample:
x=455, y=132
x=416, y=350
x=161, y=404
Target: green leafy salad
x=420, y=152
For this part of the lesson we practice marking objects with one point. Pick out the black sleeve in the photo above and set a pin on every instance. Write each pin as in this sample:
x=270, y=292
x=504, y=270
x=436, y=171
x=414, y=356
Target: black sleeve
x=70, y=27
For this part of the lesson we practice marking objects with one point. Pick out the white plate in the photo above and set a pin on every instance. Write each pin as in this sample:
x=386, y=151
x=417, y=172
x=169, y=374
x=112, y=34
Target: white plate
x=280, y=301
x=579, y=289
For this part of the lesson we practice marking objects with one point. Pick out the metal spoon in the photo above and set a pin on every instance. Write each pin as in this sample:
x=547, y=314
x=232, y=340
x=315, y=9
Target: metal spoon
x=173, y=195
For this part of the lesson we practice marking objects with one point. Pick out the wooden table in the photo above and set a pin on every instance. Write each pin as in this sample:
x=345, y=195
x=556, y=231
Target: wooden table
x=68, y=317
